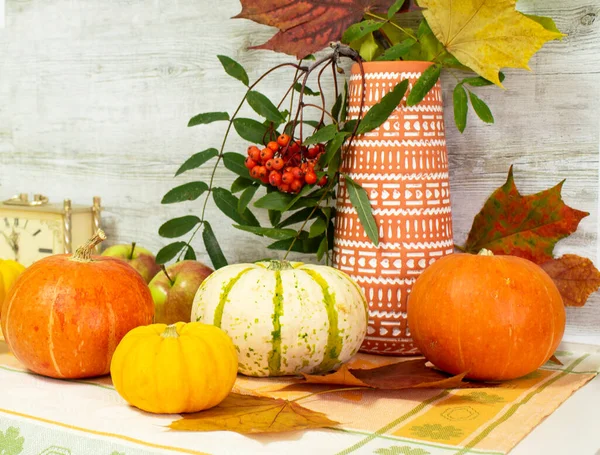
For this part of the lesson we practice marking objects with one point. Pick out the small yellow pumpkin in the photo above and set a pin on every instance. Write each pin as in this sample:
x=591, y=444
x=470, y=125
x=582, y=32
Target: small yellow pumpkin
x=176, y=368
x=9, y=271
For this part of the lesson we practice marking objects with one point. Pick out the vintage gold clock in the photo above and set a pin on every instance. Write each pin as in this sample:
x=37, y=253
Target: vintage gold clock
x=31, y=229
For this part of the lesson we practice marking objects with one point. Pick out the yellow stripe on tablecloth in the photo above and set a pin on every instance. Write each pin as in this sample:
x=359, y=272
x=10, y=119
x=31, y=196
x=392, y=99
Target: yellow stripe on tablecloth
x=463, y=413
x=102, y=433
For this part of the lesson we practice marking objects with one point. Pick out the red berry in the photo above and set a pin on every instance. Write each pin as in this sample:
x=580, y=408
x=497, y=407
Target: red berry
x=275, y=178
x=266, y=154
x=287, y=177
x=262, y=172
x=284, y=188
x=273, y=146
x=323, y=181
x=265, y=179
x=283, y=140
x=298, y=174
x=254, y=152
x=249, y=163
x=296, y=186
x=269, y=164
x=277, y=164
x=294, y=147
x=310, y=178
x=313, y=152
x=254, y=172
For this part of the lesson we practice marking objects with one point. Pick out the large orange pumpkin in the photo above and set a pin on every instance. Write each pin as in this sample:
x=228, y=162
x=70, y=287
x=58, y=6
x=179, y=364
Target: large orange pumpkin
x=66, y=314
x=495, y=317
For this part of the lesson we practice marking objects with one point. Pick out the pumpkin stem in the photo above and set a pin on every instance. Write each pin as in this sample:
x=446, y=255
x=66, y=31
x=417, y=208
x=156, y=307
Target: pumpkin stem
x=164, y=269
x=132, y=250
x=84, y=252
x=275, y=264
x=170, y=332
x=485, y=252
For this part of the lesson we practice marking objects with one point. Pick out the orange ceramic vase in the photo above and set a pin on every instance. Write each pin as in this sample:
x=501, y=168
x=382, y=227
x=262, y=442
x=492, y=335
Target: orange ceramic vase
x=403, y=166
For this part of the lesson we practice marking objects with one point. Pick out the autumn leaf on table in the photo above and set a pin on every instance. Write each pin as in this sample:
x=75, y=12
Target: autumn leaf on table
x=248, y=414
x=575, y=277
x=525, y=226
x=409, y=374
x=307, y=26
x=486, y=35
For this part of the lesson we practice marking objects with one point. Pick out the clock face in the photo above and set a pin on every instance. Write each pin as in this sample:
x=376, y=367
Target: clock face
x=25, y=240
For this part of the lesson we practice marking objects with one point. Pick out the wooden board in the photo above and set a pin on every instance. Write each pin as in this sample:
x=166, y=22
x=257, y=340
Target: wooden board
x=95, y=97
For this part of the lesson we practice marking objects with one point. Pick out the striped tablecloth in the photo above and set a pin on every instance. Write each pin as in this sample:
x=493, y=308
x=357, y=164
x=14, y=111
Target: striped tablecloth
x=53, y=417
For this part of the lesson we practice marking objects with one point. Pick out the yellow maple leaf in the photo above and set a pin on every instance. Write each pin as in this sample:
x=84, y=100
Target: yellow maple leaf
x=486, y=35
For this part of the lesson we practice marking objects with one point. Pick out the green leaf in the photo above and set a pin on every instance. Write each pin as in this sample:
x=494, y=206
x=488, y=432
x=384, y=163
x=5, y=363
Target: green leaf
x=186, y=192
x=349, y=126
x=274, y=201
x=303, y=192
x=395, y=8
x=337, y=106
x=289, y=125
x=305, y=202
x=208, y=117
x=369, y=48
x=427, y=80
x=546, y=22
x=178, y=226
x=272, y=233
x=212, y=247
x=298, y=217
x=235, y=163
x=322, y=135
x=360, y=201
x=228, y=204
x=240, y=184
x=334, y=165
x=302, y=245
x=169, y=251
x=323, y=248
x=251, y=130
x=246, y=197
x=190, y=254
x=274, y=217
x=264, y=107
x=317, y=228
x=397, y=51
x=234, y=69
x=307, y=90
x=380, y=112
x=481, y=81
x=360, y=29
x=344, y=110
x=461, y=106
x=197, y=160
x=332, y=147
x=481, y=109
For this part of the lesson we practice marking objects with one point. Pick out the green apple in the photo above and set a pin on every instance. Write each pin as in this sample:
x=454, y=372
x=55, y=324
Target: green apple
x=139, y=258
x=173, y=292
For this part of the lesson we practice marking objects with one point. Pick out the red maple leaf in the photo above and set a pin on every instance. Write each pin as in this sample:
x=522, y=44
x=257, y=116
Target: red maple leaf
x=525, y=226
x=307, y=26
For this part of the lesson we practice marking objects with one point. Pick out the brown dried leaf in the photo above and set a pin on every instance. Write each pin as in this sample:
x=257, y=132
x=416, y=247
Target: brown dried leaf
x=555, y=360
x=410, y=374
x=575, y=277
x=248, y=414
x=307, y=26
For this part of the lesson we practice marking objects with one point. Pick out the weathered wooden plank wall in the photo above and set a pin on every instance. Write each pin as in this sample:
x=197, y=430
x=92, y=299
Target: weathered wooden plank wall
x=95, y=98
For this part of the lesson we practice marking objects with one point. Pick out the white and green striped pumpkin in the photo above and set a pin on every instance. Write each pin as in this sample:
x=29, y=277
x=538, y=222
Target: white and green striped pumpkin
x=285, y=317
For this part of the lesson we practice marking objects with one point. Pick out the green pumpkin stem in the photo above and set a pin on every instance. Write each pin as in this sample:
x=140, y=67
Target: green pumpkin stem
x=275, y=264
x=84, y=252
x=170, y=332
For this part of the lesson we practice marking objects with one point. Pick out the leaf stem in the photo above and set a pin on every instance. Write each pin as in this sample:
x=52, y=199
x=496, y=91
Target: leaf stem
x=388, y=21
x=322, y=392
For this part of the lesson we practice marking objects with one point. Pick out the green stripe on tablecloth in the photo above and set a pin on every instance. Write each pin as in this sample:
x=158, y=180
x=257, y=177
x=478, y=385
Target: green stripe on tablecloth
x=516, y=406
x=392, y=424
x=413, y=441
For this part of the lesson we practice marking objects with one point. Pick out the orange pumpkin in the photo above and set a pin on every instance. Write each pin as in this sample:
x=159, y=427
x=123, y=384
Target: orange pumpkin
x=66, y=314
x=495, y=317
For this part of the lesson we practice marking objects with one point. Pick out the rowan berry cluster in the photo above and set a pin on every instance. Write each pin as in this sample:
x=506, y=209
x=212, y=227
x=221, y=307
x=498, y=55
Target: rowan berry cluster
x=285, y=164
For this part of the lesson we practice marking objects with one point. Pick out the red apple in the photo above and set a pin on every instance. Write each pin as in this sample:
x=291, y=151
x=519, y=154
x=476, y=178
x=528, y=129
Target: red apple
x=173, y=293
x=139, y=258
